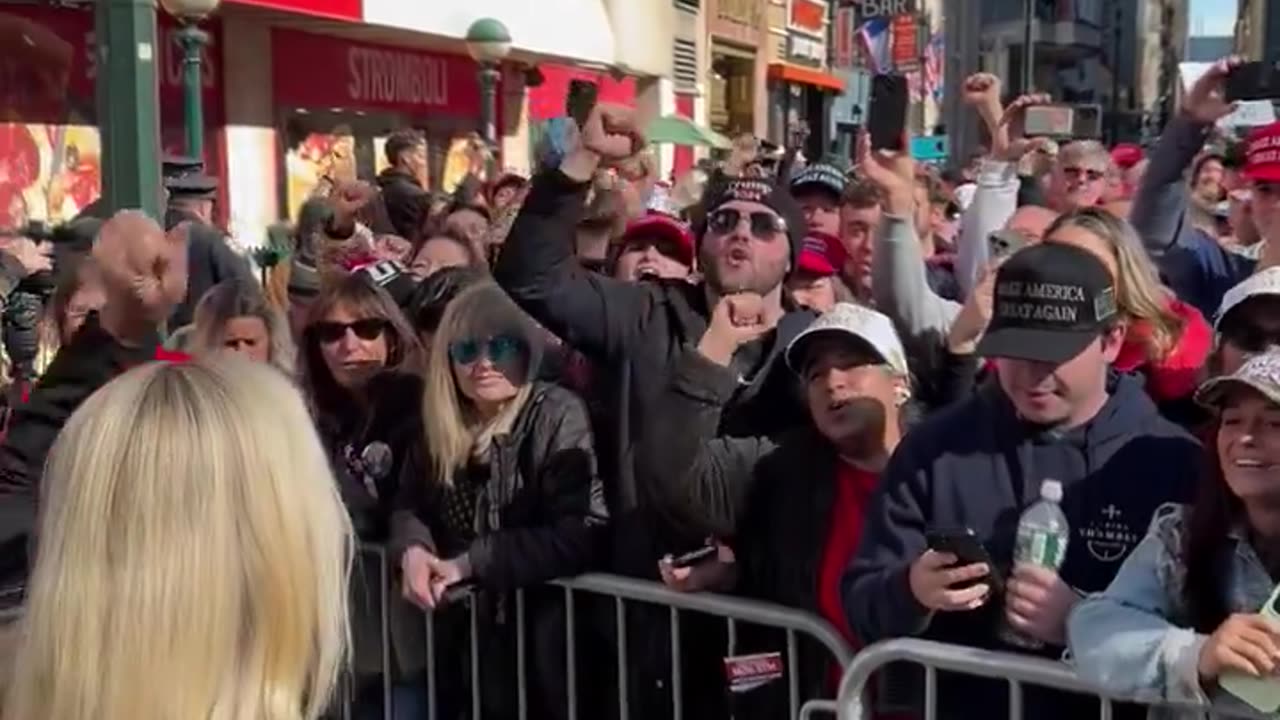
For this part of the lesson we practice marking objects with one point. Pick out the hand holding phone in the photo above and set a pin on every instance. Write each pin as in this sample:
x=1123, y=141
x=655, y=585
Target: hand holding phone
x=581, y=100
x=1244, y=655
x=955, y=574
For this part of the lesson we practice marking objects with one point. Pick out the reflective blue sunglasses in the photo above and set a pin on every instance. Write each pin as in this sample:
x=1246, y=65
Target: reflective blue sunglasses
x=499, y=349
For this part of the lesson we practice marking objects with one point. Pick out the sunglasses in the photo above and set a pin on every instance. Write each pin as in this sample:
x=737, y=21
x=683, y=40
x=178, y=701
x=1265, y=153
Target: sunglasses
x=1251, y=338
x=499, y=349
x=1074, y=173
x=365, y=329
x=763, y=224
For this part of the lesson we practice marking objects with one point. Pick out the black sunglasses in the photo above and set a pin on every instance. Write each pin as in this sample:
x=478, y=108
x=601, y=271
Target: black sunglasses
x=365, y=329
x=763, y=224
x=499, y=349
x=1251, y=338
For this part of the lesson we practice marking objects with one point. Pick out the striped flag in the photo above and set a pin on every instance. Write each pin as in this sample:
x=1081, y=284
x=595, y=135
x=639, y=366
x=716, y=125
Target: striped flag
x=934, y=67
x=873, y=39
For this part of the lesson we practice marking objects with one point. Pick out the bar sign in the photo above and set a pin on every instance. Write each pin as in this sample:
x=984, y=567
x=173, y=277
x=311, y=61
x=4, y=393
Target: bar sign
x=748, y=672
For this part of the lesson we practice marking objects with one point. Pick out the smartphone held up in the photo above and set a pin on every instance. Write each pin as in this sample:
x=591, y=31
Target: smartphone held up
x=887, y=114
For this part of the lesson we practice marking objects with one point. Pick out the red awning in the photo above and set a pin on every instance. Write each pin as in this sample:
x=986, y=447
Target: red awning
x=805, y=76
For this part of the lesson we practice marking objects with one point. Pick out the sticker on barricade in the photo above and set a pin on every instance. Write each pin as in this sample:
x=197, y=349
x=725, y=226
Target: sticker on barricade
x=748, y=672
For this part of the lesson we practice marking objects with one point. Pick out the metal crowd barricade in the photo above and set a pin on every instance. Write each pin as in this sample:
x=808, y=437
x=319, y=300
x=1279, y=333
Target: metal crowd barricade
x=623, y=591
x=1015, y=669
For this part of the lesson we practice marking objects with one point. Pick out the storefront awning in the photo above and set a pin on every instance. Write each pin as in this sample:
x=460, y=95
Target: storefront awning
x=571, y=29
x=805, y=76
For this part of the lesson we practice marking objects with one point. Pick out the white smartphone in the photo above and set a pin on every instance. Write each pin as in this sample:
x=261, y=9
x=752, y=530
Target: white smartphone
x=1262, y=694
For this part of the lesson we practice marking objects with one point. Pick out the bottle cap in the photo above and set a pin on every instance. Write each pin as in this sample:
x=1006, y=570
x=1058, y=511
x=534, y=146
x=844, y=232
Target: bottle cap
x=1051, y=490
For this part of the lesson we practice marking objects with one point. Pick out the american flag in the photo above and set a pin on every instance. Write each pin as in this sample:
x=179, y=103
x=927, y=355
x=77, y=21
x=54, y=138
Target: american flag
x=934, y=67
x=928, y=81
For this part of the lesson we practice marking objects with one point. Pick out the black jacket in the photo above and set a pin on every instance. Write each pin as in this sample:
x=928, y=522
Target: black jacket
x=544, y=499
x=539, y=518
x=405, y=200
x=632, y=331
x=209, y=261
x=977, y=465
x=769, y=497
x=90, y=361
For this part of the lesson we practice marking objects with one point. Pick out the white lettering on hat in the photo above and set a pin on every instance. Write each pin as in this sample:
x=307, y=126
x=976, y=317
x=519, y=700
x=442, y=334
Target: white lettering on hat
x=1055, y=313
x=1054, y=291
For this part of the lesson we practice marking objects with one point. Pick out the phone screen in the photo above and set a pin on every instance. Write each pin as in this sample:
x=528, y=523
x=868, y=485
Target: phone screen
x=887, y=115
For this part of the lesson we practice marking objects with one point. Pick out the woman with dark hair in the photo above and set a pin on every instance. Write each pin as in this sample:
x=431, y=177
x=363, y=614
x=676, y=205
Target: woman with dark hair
x=444, y=249
x=358, y=365
x=1184, y=609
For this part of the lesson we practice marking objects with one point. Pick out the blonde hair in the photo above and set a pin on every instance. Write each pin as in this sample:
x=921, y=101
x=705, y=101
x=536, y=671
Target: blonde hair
x=1140, y=297
x=194, y=555
x=454, y=434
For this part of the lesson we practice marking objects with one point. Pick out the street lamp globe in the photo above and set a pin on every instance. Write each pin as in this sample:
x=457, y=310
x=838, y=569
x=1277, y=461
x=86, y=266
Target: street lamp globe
x=190, y=10
x=488, y=41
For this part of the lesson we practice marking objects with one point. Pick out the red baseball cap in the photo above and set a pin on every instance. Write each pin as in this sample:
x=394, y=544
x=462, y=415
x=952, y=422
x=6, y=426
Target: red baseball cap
x=1126, y=155
x=661, y=225
x=1262, y=154
x=821, y=254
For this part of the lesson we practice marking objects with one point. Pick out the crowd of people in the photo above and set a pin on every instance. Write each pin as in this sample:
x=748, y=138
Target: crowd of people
x=775, y=380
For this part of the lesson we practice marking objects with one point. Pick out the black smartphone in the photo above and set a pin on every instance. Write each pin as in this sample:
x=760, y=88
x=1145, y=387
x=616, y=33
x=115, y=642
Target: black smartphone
x=1253, y=81
x=693, y=558
x=887, y=116
x=582, y=98
x=964, y=544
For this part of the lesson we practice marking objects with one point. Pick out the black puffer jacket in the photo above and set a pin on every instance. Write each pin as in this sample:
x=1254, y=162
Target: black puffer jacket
x=210, y=260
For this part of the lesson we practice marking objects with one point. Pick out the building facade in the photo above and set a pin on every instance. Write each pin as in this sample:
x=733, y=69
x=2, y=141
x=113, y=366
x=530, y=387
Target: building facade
x=298, y=92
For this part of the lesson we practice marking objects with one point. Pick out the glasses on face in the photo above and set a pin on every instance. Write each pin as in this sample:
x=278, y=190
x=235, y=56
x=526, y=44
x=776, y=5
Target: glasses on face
x=365, y=329
x=764, y=225
x=499, y=349
x=1075, y=173
x=1252, y=338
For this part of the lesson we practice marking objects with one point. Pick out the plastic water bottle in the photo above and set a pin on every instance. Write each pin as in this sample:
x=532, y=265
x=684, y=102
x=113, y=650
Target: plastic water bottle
x=1042, y=540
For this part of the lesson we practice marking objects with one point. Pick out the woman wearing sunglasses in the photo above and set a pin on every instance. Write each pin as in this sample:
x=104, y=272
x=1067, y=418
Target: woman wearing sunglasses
x=358, y=359
x=505, y=496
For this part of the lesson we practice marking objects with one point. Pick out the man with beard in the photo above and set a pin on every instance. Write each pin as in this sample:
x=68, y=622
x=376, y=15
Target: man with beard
x=633, y=332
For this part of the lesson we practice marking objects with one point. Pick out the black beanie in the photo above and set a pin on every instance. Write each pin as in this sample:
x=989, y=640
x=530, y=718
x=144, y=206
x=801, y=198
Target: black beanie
x=775, y=196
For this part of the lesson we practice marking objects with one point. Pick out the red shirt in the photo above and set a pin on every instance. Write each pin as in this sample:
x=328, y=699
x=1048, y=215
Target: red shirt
x=853, y=494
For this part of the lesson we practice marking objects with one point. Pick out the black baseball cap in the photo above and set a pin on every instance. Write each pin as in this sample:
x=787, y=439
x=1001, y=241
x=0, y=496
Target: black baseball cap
x=1050, y=301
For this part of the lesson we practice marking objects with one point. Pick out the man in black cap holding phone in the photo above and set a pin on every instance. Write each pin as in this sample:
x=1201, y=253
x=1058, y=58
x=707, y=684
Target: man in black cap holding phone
x=210, y=259
x=1055, y=411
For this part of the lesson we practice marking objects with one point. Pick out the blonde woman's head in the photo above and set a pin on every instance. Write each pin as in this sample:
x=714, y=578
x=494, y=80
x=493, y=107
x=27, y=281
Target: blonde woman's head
x=234, y=315
x=1142, y=301
x=193, y=555
x=483, y=359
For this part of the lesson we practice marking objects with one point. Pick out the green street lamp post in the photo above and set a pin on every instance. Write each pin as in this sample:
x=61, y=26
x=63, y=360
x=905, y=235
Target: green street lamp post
x=192, y=40
x=128, y=105
x=489, y=43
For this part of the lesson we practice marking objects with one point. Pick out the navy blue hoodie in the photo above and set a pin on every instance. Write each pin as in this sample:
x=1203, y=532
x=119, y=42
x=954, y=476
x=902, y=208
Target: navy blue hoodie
x=977, y=465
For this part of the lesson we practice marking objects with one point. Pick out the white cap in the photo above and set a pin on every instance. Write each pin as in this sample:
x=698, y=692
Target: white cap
x=872, y=328
x=1051, y=490
x=1263, y=282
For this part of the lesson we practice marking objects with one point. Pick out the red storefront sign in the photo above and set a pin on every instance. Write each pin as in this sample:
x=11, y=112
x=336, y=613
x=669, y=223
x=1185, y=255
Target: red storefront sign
x=337, y=9
x=683, y=160
x=905, y=47
x=314, y=71
x=547, y=100
x=808, y=16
